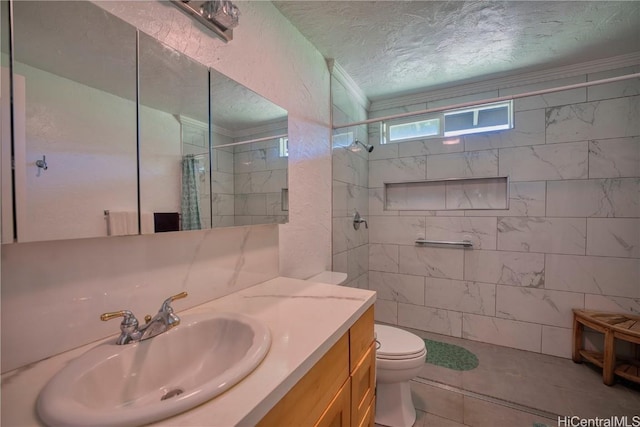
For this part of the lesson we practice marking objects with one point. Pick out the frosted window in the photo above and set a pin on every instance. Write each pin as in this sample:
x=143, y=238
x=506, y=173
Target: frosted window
x=414, y=130
x=284, y=147
x=478, y=119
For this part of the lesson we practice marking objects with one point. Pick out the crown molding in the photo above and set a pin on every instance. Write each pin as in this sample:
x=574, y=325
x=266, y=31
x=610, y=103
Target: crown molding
x=192, y=122
x=273, y=128
x=345, y=79
x=505, y=82
x=221, y=131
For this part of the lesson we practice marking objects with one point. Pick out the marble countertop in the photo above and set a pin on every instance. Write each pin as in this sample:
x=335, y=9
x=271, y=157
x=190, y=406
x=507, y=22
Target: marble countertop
x=305, y=319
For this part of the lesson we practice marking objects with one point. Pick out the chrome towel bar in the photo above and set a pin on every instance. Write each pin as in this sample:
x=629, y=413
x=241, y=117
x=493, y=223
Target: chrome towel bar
x=464, y=243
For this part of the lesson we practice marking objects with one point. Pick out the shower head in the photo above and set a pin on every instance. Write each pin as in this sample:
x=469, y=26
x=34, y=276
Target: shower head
x=366, y=146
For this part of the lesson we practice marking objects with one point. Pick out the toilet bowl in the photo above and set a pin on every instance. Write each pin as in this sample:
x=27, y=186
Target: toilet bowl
x=399, y=357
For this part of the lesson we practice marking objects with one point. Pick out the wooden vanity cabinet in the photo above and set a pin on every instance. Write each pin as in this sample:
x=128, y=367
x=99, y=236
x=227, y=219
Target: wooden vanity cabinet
x=339, y=390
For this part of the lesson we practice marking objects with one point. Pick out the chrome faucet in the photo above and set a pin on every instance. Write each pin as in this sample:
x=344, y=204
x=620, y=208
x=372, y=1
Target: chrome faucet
x=164, y=320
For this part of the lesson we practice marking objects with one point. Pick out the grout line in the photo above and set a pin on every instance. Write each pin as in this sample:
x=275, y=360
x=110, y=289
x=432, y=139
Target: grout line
x=486, y=398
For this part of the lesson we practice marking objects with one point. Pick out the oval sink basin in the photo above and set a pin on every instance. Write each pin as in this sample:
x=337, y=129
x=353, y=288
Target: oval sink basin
x=134, y=384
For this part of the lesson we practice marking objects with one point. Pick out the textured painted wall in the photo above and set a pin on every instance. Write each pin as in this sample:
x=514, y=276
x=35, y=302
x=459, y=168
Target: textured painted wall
x=91, y=162
x=160, y=161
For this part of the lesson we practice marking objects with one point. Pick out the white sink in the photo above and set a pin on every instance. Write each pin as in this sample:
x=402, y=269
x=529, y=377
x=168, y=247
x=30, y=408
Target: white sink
x=134, y=384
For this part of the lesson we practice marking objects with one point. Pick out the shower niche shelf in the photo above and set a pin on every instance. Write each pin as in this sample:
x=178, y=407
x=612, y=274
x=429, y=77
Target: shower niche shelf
x=447, y=194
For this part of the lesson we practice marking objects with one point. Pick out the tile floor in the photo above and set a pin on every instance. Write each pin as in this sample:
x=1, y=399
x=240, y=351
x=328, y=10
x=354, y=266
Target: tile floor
x=516, y=388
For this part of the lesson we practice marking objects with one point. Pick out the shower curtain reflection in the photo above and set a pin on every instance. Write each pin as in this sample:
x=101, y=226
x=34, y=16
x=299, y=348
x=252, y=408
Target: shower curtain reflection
x=190, y=193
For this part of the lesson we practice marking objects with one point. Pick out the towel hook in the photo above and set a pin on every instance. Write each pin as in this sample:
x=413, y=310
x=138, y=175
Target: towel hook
x=42, y=164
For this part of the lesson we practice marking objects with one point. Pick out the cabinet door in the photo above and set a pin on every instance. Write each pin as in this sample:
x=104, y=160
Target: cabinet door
x=363, y=385
x=308, y=399
x=338, y=413
x=360, y=337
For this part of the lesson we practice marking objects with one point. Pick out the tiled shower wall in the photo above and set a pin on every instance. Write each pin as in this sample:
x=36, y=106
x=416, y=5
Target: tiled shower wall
x=247, y=184
x=222, y=182
x=260, y=175
x=570, y=238
x=350, y=247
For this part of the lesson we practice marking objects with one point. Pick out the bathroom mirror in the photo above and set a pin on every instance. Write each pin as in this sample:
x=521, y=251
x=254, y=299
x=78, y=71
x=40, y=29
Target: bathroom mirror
x=249, y=156
x=5, y=127
x=175, y=182
x=75, y=121
x=78, y=130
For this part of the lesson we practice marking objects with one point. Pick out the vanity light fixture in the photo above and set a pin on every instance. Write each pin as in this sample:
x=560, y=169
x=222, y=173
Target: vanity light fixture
x=220, y=16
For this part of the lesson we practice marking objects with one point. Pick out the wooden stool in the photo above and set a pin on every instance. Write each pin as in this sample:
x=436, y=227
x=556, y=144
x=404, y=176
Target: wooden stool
x=625, y=327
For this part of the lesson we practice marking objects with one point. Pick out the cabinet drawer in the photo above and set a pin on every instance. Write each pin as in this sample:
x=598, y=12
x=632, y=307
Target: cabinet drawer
x=363, y=385
x=338, y=414
x=360, y=337
x=369, y=416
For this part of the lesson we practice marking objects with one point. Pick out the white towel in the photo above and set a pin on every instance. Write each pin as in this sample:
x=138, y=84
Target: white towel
x=148, y=223
x=122, y=223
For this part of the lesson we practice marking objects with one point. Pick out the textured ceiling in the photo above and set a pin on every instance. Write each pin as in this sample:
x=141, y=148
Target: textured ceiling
x=392, y=48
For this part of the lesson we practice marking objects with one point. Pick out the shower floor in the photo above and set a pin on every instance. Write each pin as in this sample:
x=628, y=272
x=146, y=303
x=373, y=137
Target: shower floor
x=512, y=387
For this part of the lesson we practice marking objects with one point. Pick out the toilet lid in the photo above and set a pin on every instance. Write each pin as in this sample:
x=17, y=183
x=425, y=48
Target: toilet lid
x=396, y=343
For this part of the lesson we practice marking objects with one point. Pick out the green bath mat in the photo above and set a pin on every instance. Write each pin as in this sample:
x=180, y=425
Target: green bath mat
x=450, y=356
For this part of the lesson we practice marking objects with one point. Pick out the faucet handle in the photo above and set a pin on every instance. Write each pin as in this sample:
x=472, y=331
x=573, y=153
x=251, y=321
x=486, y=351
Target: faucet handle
x=128, y=326
x=357, y=220
x=129, y=321
x=177, y=296
x=167, y=303
x=114, y=314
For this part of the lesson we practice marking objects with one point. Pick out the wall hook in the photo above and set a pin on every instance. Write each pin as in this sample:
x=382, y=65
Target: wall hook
x=42, y=164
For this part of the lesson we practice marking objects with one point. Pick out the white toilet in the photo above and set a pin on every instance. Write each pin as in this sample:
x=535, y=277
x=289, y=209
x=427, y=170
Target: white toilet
x=399, y=358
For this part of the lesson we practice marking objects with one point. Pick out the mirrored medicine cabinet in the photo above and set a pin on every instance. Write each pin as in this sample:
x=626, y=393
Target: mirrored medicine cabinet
x=115, y=133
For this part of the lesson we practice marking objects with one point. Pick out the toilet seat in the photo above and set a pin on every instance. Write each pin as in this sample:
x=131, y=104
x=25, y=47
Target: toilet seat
x=418, y=355
x=398, y=344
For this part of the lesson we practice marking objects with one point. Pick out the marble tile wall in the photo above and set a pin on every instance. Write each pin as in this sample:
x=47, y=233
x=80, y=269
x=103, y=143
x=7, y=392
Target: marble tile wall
x=247, y=183
x=569, y=239
x=260, y=174
x=350, y=247
x=222, y=180
x=53, y=302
